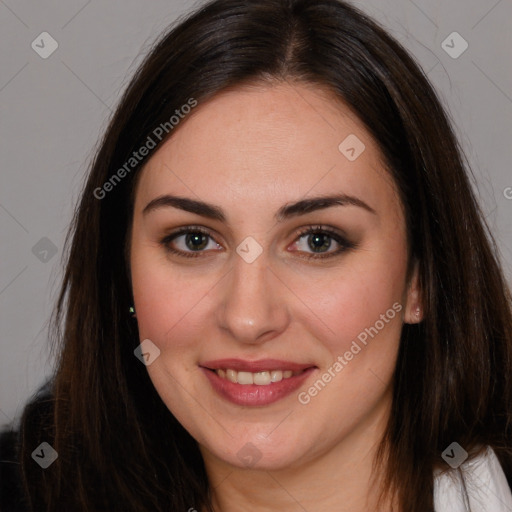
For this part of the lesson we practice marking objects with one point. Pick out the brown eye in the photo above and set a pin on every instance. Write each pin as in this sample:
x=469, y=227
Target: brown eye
x=189, y=242
x=196, y=241
x=319, y=242
x=316, y=241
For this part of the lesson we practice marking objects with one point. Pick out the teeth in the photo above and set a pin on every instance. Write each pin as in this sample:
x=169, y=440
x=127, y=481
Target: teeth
x=260, y=378
x=245, y=378
x=276, y=375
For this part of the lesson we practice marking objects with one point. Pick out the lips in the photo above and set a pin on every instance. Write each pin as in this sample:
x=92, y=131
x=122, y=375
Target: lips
x=255, y=382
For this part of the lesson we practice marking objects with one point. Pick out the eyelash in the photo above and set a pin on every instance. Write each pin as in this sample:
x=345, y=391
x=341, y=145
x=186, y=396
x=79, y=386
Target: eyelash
x=344, y=243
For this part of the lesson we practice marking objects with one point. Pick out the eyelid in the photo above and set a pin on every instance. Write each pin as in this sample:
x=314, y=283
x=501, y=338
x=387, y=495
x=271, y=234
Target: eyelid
x=337, y=235
x=165, y=241
x=334, y=233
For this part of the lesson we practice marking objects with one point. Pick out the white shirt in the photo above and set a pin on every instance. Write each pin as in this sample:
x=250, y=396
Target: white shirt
x=484, y=481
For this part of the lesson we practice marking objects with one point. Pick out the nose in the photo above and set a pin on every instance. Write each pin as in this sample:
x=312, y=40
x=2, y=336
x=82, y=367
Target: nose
x=253, y=306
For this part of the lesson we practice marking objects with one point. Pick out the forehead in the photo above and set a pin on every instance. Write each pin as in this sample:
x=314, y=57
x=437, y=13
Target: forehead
x=267, y=143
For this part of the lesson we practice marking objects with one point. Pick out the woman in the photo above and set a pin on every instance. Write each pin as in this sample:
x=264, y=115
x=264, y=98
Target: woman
x=318, y=319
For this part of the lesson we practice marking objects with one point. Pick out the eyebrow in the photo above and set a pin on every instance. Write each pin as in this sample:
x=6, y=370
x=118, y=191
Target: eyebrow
x=213, y=212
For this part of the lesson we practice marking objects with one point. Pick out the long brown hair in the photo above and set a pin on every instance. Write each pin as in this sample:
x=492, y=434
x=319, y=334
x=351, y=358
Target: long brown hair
x=120, y=448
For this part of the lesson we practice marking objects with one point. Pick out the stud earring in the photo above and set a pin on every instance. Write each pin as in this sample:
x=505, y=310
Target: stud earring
x=418, y=312
x=132, y=312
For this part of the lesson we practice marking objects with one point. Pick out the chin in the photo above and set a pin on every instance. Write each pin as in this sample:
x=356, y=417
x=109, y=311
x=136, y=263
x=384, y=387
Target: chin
x=259, y=453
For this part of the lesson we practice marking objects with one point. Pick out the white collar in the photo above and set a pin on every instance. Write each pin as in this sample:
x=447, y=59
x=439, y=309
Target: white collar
x=478, y=485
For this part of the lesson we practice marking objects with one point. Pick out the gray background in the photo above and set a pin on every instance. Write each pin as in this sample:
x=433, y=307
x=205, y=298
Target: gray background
x=53, y=110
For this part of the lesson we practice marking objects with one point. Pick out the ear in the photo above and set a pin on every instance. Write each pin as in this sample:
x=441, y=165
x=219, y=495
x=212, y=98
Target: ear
x=414, y=309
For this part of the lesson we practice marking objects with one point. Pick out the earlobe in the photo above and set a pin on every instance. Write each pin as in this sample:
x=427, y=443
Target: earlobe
x=414, y=307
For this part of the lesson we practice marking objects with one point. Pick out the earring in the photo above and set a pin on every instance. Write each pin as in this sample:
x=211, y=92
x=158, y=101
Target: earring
x=132, y=312
x=418, y=312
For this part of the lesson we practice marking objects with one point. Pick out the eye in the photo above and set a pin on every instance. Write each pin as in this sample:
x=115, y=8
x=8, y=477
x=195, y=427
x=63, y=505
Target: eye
x=315, y=241
x=189, y=241
x=319, y=240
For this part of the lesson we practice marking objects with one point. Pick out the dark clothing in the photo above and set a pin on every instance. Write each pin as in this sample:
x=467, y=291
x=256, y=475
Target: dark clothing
x=13, y=497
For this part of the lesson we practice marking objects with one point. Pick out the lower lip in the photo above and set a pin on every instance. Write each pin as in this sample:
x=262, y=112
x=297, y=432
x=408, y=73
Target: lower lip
x=254, y=394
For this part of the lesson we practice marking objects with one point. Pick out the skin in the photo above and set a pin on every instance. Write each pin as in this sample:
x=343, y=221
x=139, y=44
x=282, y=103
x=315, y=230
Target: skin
x=251, y=150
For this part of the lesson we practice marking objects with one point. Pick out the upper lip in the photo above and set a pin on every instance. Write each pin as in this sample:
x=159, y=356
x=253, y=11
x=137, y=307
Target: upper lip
x=260, y=365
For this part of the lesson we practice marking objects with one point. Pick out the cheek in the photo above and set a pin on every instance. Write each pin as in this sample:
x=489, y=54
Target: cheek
x=361, y=298
x=167, y=301
x=363, y=312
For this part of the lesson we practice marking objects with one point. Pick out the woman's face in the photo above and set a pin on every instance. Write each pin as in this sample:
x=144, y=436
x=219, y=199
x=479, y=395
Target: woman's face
x=251, y=297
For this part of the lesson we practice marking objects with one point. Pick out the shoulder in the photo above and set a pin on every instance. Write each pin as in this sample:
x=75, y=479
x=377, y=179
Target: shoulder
x=477, y=484
x=12, y=490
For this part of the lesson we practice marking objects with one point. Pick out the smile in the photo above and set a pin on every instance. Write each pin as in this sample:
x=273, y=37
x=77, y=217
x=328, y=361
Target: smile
x=263, y=378
x=255, y=383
